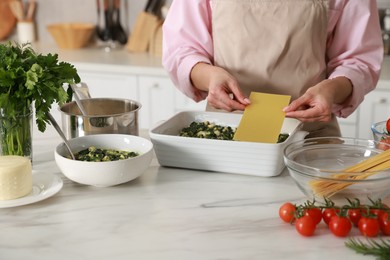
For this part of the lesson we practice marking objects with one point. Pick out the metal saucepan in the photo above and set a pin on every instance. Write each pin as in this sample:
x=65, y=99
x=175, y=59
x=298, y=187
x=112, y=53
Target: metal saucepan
x=104, y=116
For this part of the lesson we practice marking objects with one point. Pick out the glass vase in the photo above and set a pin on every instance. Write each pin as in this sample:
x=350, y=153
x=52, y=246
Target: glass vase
x=16, y=134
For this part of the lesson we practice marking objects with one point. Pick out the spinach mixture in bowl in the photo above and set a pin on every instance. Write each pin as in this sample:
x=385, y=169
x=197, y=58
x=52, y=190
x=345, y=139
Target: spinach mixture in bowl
x=210, y=130
x=93, y=154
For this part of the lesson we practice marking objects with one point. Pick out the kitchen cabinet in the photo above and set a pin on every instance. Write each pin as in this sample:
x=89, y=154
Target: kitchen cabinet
x=160, y=100
x=157, y=97
x=183, y=102
x=157, y=94
x=348, y=125
x=374, y=108
x=110, y=85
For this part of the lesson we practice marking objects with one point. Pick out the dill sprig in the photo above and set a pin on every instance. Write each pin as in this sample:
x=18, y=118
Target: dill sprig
x=379, y=248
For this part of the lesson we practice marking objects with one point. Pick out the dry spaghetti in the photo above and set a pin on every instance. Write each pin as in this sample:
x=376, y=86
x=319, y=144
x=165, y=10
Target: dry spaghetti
x=360, y=171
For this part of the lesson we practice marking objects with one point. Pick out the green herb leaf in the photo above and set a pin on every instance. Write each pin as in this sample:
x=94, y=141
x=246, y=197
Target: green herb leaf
x=27, y=77
x=380, y=248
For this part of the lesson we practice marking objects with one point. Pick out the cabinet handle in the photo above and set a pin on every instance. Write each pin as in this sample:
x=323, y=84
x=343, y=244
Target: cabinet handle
x=383, y=101
x=155, y=85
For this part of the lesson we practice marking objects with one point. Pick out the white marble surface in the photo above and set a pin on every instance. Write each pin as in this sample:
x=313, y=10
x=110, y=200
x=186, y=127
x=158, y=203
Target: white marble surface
x=117, y=60
x=164, y=214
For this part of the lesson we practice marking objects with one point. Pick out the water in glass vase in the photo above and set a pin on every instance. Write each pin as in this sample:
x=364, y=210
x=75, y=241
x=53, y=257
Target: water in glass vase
x=16, y=133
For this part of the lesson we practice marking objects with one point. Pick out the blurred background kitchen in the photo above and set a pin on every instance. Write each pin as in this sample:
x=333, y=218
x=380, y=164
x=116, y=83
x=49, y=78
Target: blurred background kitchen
x=54, y=11
x=86, y=11
x=384, y=17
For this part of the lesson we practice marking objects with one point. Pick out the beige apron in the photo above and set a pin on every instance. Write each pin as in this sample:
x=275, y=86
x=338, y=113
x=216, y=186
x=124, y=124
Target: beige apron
x=273, y=46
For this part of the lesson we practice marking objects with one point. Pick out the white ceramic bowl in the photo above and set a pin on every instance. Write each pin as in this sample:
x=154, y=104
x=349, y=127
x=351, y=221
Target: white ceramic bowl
x=104, y=174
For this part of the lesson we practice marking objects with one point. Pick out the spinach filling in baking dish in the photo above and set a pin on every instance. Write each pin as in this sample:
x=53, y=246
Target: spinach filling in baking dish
x=210, y=130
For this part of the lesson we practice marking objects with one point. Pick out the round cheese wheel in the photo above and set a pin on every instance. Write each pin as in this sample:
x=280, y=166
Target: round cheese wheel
x=15, y=177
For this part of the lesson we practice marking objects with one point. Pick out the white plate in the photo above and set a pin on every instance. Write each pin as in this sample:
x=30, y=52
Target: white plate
x=45, y=185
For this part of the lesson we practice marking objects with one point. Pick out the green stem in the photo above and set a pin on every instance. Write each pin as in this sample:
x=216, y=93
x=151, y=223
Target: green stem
x=16, y=136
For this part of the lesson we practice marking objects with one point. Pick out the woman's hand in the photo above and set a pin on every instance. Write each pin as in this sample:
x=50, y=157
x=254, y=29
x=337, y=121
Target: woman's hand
x=317, y=103
x=223, y=90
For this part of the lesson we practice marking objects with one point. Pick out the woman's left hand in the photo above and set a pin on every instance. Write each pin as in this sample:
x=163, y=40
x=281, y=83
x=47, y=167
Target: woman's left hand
x=316, y=104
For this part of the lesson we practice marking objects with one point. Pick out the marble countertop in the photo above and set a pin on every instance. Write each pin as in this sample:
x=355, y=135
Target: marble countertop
x=117, y=60
x=166, y=213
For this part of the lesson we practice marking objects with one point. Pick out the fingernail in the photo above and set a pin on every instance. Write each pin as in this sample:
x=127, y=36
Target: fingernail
x=247, y=100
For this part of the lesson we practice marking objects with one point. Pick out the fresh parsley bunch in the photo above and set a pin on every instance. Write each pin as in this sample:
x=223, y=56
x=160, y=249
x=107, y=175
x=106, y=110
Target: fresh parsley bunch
x=26, y=76
x=26, y=79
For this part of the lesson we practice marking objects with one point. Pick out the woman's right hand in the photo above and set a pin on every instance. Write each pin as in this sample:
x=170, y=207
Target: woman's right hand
x=223, y=90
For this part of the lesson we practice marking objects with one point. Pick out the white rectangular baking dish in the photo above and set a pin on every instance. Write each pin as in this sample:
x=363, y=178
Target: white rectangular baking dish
x=258, y=159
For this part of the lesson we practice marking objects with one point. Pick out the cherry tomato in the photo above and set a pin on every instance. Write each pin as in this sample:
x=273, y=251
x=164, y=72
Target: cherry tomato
x=388, y=125
x=369, y=226
x=340, y=226
x=315, y=214
x=384, y=144
x=328, y=213
x=286, y=212
x=384, y=223
x=376, y=212
x=354, y=215
x=305, y=226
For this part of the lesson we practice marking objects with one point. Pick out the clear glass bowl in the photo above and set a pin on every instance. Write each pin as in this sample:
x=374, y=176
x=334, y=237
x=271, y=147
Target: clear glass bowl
x=314, y=161
x=379, y=131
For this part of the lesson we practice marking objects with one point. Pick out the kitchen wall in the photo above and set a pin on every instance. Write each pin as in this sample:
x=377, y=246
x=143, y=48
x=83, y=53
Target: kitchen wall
x=383, y=3
x=53, y=11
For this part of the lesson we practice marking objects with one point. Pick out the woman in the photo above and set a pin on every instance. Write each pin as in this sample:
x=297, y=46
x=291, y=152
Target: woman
x=326, y=54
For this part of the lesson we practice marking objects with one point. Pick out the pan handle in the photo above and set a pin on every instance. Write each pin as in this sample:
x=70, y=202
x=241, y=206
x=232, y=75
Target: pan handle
x=82, y=91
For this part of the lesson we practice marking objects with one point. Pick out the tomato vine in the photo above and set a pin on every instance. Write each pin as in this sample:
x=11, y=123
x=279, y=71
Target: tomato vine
x=371, y=219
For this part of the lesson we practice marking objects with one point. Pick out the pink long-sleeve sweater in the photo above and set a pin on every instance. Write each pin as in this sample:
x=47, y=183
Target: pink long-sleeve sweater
x=354, y=45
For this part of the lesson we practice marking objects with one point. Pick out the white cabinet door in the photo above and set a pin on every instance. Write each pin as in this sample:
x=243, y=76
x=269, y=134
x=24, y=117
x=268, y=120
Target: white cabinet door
x=110, y=85
x=184, y=103
x=348, y=126
x=375, y=108
x=157, y=97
